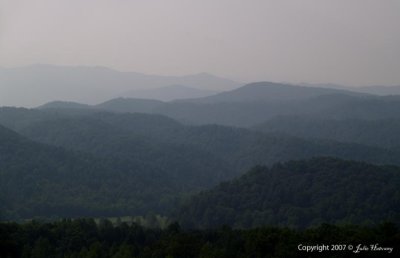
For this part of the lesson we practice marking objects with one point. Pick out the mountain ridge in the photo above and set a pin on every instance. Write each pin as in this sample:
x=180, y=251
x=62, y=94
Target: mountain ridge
x=169, y=93
x=272, y=91
x=37, y=84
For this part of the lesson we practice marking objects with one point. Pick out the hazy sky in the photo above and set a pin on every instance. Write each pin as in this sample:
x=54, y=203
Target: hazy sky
x=341, y=41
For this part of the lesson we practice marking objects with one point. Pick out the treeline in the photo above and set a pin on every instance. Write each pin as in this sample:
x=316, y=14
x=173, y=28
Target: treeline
x=86, y=238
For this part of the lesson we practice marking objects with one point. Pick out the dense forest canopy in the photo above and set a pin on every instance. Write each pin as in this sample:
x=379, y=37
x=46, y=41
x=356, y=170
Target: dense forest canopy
x=381, y=133
x=300, y=194
x=147, y=162
x=86, y=238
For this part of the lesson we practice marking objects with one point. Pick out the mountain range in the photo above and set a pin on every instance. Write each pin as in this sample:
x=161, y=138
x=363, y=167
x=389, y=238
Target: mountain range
x=134, y=156
x=135, y=159
x=256, y=103
x=33, y=85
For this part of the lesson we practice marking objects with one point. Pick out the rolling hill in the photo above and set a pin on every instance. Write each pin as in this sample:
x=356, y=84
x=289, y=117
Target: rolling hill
x=256, y=103
x=250, y=113
x=270, y=91
x=130, y=105
x=64, y=105
x=118, y=163
x=300, y=194
x=380, y=133
x=38, y=180
x=169, y=93
x=381, y=90
x=238, y=149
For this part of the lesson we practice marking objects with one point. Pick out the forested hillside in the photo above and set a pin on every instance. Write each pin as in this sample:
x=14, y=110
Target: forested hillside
x=41, y=180
x=136, y=163
x=145, y=137
x=300, y=194
x=380, y=133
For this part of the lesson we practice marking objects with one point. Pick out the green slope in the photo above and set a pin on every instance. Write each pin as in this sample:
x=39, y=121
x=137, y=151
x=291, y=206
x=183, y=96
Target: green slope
x=380, y=133
x=300, y=193
x=40, y=180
